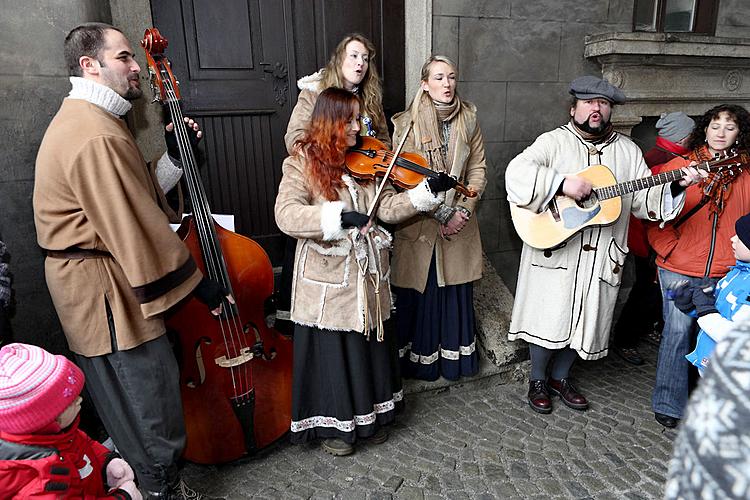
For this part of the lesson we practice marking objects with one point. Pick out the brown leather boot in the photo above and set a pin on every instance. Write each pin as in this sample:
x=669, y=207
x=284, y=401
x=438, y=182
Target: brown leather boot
x=539, y=396
x=568, y=393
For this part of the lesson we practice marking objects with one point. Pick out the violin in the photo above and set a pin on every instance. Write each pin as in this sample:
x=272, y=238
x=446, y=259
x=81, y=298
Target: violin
x=370, y=159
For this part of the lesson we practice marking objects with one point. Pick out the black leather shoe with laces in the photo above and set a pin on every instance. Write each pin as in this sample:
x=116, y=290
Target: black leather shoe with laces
x=539, y=396
x=666, y=420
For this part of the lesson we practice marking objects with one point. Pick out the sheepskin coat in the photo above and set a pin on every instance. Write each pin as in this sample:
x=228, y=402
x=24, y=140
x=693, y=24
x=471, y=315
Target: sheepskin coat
x=341, y=282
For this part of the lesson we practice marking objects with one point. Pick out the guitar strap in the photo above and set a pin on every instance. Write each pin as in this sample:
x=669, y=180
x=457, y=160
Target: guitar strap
x=692, y=211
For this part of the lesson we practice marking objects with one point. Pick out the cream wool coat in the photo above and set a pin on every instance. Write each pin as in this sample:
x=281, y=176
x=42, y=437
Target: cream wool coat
x=310, y=88
x=328, y=290
x=566, y=296
x=93, y=190
x=459, y=260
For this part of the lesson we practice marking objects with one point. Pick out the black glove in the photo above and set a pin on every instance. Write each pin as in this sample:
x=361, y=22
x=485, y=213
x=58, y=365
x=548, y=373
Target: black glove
x=171, y=139
x=353, y=219
x=683, y=298
x=210, y=292
x=443, y=182
x=704, y=301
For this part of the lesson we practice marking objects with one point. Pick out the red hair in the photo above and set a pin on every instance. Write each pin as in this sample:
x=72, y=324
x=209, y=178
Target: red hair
x=324, y=142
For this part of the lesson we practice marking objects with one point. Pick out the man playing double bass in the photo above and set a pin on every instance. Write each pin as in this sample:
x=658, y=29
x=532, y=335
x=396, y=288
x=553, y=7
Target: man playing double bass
x=113, y=264
x=566, y=295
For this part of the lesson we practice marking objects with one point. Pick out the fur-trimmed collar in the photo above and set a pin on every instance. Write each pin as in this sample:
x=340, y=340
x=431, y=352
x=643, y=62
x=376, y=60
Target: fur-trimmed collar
x=311, y=82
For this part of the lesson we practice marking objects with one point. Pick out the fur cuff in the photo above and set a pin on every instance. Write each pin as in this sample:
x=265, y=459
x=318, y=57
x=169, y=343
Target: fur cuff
x=423, y=199
x=330, y=221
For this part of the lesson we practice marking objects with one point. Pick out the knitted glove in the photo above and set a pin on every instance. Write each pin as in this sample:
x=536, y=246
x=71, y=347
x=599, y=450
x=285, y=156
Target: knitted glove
x=171, y=139
x=131, y=489
x=210, y=292
x=119, y=472
x=443, y=182
x=704, y=301
x=353, y=219
x=682, y=296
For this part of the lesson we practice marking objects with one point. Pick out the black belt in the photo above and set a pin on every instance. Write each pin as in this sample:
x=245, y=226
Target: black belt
x=78, y=253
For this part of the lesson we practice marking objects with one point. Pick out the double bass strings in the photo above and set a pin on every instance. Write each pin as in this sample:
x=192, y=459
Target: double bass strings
x=230, y=323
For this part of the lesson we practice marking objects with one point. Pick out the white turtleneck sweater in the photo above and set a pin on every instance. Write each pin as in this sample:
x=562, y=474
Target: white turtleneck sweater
x=167, y=173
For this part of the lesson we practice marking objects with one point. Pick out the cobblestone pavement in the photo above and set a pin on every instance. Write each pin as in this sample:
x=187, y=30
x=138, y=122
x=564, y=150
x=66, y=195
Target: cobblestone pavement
x=481, y=440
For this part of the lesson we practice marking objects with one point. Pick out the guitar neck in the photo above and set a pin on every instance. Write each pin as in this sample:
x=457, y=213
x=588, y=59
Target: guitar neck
x=607, y=192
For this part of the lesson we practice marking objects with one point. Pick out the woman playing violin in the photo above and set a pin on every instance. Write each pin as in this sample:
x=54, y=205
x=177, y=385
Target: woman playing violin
x=350, y=67
x=346, y=383
x=697, y=245
x=438, y=255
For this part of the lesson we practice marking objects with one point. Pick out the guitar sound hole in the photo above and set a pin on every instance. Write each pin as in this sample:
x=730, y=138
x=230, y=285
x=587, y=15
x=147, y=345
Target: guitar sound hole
x=589, y=202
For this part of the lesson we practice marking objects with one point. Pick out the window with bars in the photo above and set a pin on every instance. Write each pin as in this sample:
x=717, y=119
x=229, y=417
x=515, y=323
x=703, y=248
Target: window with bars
x=676, y=16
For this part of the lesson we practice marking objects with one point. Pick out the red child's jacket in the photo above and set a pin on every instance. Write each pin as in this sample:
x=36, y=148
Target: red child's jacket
x=68, y=464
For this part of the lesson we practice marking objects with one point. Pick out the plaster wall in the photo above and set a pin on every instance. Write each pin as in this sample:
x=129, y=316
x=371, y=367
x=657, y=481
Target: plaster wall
x=516, y=59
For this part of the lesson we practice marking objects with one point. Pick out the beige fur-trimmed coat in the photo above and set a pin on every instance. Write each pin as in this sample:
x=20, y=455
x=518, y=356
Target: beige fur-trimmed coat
x=329, y=289
x=458, y=260
x=310, y=88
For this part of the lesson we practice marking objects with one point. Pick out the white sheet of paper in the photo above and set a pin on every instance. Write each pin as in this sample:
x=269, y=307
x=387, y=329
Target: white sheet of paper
x=224, y=220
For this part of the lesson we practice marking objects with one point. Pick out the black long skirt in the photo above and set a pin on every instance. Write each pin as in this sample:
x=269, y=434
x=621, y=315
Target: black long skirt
x=436, y=330
x=344, y=385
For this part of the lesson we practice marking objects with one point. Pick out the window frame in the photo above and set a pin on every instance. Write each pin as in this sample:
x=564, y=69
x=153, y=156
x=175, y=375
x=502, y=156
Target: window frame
x=704, y=20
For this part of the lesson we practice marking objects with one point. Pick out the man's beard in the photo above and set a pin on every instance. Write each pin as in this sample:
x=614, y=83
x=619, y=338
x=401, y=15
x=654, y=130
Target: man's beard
x=591, y=130
x=133, y=93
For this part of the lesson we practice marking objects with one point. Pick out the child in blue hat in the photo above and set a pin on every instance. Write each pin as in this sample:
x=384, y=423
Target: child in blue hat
x=720, y=309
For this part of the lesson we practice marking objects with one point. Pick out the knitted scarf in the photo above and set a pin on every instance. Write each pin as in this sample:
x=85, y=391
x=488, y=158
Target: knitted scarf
x=718, y=185
x=435, y=132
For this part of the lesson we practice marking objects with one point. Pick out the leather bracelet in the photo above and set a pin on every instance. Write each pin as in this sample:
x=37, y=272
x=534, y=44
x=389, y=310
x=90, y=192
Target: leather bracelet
x=465, y=211
x=443, y=213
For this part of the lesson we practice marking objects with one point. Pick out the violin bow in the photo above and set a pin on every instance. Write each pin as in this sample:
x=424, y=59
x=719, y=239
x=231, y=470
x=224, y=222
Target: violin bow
x=373, y=207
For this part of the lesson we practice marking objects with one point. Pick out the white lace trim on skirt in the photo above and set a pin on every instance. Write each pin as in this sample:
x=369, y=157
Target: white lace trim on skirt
x=348, y=425
x=428, y=359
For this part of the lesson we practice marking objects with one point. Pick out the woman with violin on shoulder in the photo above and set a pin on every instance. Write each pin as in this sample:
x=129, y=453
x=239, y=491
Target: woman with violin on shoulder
x=350, y=67
x=438, y=255
x=696, y=249
x=346, y=382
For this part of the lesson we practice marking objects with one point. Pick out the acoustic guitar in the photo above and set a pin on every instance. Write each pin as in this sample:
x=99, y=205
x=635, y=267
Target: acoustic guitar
x=564, y=217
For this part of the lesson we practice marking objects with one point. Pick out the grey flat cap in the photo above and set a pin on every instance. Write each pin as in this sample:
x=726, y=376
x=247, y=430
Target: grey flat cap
x=591, y=87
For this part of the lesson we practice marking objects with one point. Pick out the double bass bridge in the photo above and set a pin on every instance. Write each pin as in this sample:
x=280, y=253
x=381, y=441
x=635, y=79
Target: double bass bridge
x=243, y=357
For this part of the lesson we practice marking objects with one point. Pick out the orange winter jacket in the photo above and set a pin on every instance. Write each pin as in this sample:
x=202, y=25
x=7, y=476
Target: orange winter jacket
x=689, y=249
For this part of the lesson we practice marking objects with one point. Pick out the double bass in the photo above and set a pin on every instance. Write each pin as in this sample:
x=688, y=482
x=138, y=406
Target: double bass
x=235, y=371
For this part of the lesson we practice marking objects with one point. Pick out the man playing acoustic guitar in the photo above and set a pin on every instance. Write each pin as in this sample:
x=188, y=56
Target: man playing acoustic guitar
x=567, y=290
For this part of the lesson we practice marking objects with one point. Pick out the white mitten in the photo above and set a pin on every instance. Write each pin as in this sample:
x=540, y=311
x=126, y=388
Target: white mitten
x=131, y=489
x=119, y=472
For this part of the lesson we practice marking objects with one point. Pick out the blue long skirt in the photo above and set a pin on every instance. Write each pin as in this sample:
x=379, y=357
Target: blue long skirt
x=436, y=334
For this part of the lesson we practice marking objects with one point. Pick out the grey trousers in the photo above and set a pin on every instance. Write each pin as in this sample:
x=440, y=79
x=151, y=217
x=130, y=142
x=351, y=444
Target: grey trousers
x=137, y=395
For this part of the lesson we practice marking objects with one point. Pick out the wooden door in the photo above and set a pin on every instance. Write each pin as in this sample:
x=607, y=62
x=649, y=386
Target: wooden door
x=238, y=62
x=232, y=61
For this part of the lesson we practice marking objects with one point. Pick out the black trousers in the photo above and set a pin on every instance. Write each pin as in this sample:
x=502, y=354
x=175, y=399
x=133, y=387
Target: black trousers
x=137, y=395
x=643, y=307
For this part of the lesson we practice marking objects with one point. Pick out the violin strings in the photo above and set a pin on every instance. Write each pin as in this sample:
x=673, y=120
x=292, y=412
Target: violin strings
x=213, y=257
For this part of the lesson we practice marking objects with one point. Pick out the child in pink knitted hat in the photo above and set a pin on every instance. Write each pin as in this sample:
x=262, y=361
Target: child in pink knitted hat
x=43, y=454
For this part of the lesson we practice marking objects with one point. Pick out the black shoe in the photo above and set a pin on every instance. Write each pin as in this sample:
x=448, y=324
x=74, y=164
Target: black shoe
x=666, y=420
x=539, y=396
x=630, y=354
x=568, y=393
x=181, y=491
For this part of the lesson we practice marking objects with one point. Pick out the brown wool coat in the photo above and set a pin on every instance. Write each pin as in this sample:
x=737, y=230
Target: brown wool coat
x=93, y=190
x=327, y=289
x=459, y=260
x=310, y=88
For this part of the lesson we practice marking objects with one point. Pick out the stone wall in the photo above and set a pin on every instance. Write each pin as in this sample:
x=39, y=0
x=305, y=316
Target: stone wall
x=33, y=83
x=516, y=59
